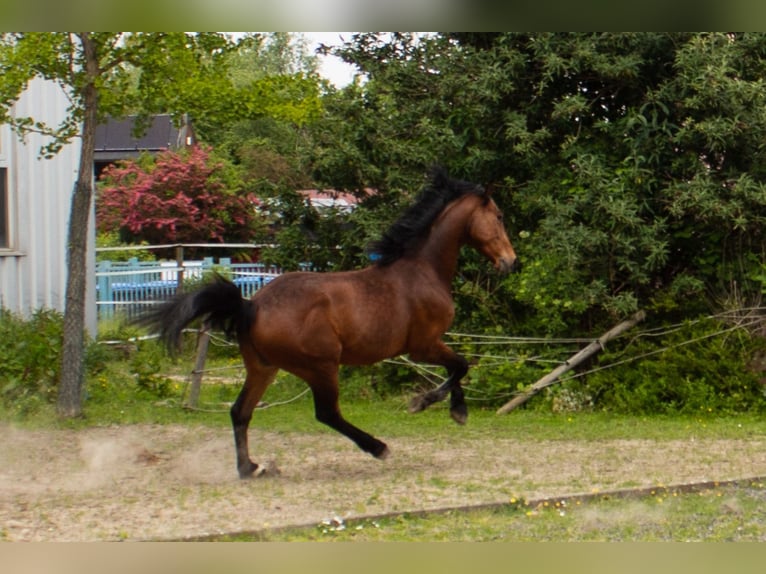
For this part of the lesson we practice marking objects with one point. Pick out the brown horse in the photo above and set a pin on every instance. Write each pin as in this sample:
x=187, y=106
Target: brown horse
x=310, y=323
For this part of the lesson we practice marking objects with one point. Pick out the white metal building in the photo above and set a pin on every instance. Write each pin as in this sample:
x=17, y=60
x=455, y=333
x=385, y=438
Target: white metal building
x=35, y=197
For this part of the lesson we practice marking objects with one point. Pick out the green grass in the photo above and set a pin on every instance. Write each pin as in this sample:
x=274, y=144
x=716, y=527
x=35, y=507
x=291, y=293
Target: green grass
x=114, y=397
x=720, y=514
x=144, y=385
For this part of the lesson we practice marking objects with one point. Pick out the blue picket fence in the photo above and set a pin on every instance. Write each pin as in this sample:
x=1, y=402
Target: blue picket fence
x=128, y=287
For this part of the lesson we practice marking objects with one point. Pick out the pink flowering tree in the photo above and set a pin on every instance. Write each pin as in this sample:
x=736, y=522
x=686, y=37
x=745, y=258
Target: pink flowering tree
x=184, y=197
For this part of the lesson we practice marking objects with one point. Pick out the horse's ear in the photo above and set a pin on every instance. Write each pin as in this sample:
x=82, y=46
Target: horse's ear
x=487, y=195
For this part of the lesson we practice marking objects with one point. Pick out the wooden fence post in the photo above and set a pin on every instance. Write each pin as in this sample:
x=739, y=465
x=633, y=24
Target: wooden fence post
x=573, y=361
x=203, y=341
x=180, y=264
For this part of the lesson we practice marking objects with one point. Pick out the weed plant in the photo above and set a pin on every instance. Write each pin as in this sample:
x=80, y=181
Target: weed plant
x=29, y=359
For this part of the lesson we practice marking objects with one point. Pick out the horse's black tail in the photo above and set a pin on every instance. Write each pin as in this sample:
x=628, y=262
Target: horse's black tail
x=219, y=303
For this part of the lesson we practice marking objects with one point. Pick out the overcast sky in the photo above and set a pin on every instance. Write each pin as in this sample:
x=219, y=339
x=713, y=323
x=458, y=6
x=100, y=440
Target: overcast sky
x=332, y=68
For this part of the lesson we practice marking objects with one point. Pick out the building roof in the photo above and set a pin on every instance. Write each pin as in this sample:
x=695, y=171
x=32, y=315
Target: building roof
x=115, y=138
x=333, y=198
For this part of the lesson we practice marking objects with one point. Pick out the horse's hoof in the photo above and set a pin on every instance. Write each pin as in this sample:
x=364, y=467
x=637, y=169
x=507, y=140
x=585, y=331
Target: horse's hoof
x=422, y=402
x=377, y=448
x=383, y=455
x=250, y=473
x=459, y=415
x=250, y=470
x=260, y=471
x=256, y=470
x=418, y=404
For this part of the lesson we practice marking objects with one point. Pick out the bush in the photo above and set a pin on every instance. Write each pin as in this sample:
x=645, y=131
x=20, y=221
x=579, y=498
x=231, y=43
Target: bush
x=146, y=366
x=29, y=358
x=492, y=379
x=175, y=198
x=703, y=367
x=112, y=239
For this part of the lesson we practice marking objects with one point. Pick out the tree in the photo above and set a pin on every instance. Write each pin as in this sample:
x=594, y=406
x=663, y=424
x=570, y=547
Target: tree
x=179, y=197
x=271, y=150
x=632, y=165
x=112, y=74
x=272, y=54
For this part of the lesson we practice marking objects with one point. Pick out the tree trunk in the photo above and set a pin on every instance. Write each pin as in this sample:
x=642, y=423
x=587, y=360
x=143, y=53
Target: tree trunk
x=70, y=391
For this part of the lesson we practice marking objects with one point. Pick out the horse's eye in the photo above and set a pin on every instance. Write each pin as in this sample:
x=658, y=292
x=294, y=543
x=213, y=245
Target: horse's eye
x=499, y=216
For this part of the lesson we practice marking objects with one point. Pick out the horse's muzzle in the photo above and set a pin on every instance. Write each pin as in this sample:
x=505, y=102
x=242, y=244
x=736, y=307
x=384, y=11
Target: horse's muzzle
x=508, y=265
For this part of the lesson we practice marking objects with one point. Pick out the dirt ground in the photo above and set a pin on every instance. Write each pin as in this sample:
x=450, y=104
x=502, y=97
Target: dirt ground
x=171, y=482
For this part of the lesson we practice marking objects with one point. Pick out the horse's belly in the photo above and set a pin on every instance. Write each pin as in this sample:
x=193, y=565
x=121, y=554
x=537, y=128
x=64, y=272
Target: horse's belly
x=367, y=349
x=364, y=356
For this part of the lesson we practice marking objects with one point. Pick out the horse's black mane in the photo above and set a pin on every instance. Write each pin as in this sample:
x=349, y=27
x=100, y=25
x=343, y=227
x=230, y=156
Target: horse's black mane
x=415, y=223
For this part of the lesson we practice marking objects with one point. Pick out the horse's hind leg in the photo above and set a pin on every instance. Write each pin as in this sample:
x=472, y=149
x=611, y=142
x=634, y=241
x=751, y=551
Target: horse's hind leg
x=324, y=387
x=258, y=379
x=456, y=367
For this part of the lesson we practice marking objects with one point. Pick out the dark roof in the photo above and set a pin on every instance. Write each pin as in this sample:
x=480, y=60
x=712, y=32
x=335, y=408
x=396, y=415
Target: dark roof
x=115, y=139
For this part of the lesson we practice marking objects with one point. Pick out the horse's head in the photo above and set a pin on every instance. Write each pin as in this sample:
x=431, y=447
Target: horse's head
x=486, y=234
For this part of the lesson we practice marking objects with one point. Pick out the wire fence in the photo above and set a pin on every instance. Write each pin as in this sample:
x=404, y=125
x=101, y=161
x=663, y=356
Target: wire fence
x=553, y=351
x=131, y=286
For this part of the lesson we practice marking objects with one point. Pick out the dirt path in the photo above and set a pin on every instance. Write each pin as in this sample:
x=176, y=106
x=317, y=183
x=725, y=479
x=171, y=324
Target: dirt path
x=159, y=482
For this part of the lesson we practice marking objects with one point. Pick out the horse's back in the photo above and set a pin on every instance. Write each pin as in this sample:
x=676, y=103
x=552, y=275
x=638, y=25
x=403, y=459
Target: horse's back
x=358, y=316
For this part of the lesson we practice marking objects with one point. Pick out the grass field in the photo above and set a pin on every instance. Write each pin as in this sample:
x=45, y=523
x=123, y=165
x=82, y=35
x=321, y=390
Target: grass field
x=728, y=513
x=123, y=404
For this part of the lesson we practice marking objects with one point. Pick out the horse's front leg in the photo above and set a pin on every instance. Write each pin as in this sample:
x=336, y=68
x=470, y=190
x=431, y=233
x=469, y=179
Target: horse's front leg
x=457, y=367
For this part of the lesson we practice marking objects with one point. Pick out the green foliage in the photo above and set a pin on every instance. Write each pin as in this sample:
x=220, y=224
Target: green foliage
x=114, y=74
x=47, y=55
x=703, y=367
x=629, y=166
x=272, y=54
x=696, y=368
x=631, y=173
x=146, y=366
x=186, y=196
x=112, y=239
x=497, y=374
x=303, y=235
x=29, y=358
x=30, y=362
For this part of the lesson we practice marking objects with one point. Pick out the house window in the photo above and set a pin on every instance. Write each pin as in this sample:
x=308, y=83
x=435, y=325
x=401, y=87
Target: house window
x=3, y=208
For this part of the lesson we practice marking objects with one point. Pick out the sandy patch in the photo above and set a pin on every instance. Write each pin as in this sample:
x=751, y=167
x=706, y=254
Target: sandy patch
x=158, y=482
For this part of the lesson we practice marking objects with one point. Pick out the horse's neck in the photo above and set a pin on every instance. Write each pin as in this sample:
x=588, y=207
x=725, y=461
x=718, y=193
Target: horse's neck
x=442, y=247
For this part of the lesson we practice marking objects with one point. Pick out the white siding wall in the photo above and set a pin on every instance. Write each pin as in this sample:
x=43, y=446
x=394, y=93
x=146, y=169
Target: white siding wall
x=33, y=272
